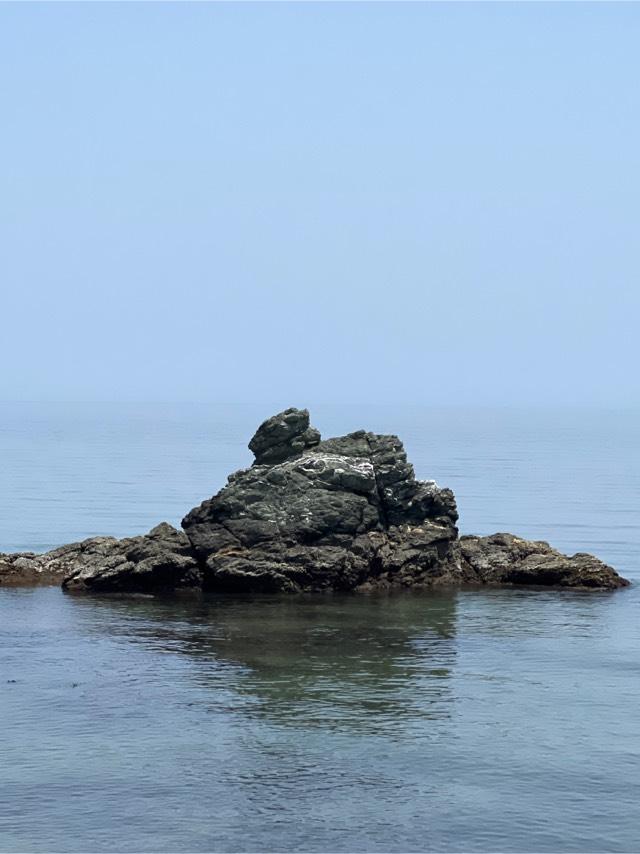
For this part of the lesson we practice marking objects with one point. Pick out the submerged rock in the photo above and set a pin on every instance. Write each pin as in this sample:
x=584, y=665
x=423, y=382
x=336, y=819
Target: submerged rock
x=341, y=514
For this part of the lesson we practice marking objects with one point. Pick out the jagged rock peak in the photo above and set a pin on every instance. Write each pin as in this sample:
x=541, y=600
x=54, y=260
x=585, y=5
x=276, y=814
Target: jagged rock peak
x=283, y=436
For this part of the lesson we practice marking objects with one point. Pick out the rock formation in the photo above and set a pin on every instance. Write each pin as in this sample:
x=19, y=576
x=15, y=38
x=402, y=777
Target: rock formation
x=340, y=514
x=328, y=515
x=502, y=559
x=160, y=560
x=282, y=436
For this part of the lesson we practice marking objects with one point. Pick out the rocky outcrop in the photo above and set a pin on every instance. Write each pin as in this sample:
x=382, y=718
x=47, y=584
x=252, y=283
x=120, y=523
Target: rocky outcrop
x=503, y=559
x=333, y=515
x=159, y=560
x=341, y=514
x=348, y=514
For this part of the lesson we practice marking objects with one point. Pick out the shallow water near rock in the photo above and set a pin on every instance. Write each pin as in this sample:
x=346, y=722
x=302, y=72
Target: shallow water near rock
x=454, y=721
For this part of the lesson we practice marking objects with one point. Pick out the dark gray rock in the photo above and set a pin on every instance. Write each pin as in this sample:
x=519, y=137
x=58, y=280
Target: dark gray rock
x=504, y=559
x=332, y=515
x=348, y=514
x=159, y=560
x=282, y=436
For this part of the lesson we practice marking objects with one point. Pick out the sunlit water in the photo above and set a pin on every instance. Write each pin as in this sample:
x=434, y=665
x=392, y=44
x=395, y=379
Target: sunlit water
x=456, y=721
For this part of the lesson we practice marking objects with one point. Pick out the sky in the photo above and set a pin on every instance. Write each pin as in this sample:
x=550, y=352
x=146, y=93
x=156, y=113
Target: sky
x=320, y=203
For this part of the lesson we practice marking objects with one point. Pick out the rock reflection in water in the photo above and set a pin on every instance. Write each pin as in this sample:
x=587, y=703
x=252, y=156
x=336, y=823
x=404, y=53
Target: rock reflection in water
x=357, y=662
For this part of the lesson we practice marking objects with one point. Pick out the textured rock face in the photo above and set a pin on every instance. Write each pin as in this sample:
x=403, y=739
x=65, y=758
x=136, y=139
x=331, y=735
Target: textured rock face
x=159, y=560
x=337, y=514
x=282, y=436
x=504, y=559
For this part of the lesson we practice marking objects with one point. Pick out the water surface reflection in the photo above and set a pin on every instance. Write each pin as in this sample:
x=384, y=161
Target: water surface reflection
x=457, y=721
x=362, y=663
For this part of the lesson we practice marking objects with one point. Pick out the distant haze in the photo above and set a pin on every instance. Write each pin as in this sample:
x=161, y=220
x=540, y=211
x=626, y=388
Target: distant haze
x=430, y=203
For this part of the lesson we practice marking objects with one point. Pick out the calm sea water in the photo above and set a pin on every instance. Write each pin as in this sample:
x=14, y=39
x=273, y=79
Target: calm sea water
x=456, y=721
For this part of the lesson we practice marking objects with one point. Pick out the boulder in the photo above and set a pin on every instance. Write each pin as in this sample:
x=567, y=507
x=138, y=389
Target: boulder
x=282, y=436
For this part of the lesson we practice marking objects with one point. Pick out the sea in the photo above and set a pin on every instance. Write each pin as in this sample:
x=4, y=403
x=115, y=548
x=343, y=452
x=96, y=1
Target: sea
x=453, y=721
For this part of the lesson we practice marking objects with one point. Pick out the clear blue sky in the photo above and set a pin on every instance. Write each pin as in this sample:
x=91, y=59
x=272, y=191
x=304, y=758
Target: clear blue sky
x=303, y=203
